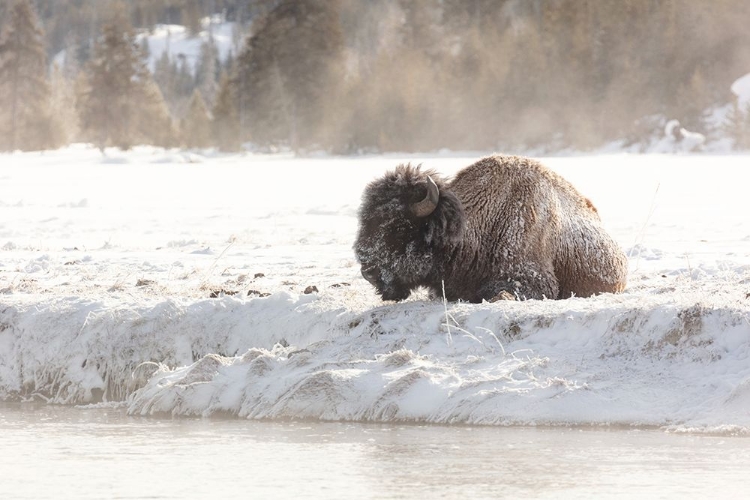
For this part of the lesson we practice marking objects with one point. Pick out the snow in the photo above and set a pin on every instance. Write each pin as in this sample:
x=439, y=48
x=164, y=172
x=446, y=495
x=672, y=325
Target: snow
x=174, y=283
x=677, y=139
x=176, y=41
x=741, y=89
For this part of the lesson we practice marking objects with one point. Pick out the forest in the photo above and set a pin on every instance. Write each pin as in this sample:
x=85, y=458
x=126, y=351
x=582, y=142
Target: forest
x=354, y=76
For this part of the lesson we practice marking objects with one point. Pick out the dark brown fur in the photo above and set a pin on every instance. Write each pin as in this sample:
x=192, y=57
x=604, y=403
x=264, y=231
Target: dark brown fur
x=503, y=224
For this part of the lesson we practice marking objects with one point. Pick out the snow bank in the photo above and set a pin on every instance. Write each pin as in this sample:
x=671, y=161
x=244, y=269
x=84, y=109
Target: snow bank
x=228, y=286
x=677, y=139
x=605, y=361
x=741, y=88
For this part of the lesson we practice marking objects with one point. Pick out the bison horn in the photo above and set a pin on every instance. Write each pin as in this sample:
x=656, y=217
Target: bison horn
x=430, y=202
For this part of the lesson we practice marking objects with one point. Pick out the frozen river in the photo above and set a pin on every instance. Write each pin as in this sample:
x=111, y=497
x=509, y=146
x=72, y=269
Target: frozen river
x=65, y=452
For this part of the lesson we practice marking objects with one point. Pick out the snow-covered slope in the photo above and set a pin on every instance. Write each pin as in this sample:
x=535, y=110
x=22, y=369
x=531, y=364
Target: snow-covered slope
x=179, y=44
x=175, y=40
x=741, y=89
x=174, y=282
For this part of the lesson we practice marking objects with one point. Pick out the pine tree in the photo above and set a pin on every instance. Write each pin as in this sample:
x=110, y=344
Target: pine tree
x=25, y=120
x=163, y=75
x=196, y=129
x=420, y=30
x=192, y=17
x=226, y=124
x=116, y=75
x=206, y=71
x=692, y=99
x=166, y=75
x=737, y=126
x=185, y=82
x=153, y=120
x=289, y=73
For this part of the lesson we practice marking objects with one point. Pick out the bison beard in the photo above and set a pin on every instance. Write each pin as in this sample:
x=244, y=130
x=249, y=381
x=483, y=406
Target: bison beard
x=505, y=226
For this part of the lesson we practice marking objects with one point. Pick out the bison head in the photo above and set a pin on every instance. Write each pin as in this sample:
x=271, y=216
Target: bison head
x=408, y=223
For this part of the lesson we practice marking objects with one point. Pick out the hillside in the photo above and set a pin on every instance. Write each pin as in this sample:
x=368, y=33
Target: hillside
x=382, y=76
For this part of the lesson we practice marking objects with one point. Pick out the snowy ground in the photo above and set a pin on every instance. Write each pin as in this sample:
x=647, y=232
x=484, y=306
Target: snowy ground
x=175, y=282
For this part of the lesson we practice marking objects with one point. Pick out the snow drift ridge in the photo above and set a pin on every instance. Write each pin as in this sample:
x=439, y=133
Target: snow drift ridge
x=642, y=360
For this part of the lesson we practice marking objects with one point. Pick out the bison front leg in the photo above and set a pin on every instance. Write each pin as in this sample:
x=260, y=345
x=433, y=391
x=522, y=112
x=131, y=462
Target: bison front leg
x=523, y=283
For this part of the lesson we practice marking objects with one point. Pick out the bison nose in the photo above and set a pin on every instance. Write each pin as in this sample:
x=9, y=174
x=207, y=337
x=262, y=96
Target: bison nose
x=370, y=274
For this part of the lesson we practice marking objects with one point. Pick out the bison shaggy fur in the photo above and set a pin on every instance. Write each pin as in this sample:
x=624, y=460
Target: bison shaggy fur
x=504, y=227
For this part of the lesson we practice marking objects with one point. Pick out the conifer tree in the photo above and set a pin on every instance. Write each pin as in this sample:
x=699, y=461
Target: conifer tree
x=196, y=129
x=165, y=76
x=226, y=120
x=417, y=74
x=289, y=73
x=115, y=77
x=25, y=120
x=737, y=126
x=192, y=17
x=692, y=99
x=206, y=71
x=154, y=123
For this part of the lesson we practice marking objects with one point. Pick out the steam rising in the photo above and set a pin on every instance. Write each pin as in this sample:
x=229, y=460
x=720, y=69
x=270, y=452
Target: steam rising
x=350, y=76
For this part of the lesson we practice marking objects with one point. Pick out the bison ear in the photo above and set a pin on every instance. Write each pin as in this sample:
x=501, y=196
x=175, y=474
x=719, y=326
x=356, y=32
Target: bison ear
x=429, y=203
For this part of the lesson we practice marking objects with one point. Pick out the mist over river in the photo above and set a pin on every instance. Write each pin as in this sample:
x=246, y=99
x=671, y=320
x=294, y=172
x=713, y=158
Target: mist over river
x=72, y=452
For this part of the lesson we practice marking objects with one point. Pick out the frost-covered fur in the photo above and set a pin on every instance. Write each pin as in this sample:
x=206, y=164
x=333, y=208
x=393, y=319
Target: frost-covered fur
x=503, y=224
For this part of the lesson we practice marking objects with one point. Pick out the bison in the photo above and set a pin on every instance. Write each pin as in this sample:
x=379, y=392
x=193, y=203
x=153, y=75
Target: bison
x=504, y=227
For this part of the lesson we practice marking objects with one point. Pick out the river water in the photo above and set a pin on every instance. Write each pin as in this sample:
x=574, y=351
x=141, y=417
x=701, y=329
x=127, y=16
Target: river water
x=67, y=452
